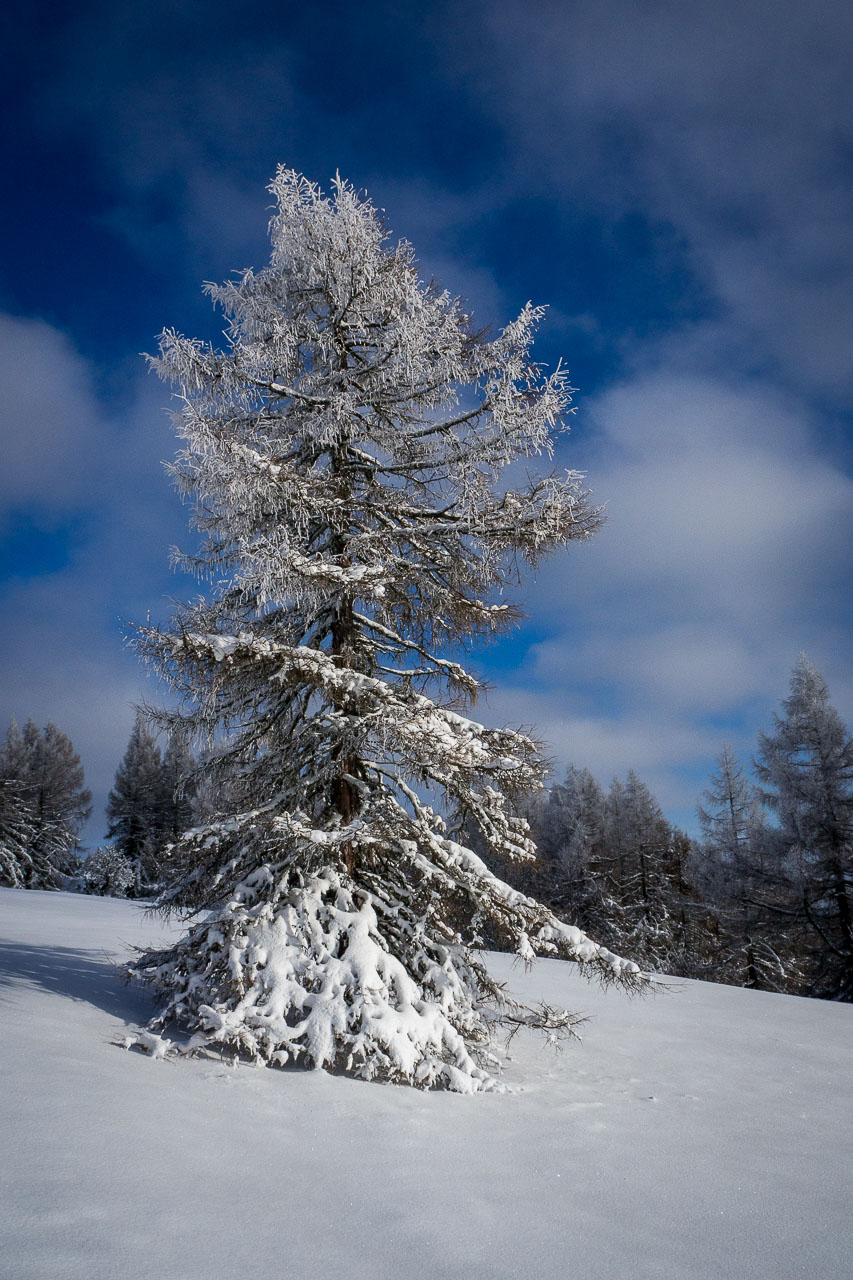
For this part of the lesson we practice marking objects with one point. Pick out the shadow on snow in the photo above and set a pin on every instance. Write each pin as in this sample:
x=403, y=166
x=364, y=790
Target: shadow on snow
x=90, y=977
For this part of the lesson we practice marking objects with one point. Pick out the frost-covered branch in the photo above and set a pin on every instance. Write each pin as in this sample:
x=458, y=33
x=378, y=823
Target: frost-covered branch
x=344, y=455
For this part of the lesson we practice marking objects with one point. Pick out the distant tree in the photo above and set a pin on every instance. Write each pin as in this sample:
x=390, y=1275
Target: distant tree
x=739, y=873
x=632, y=866
x=620, y=870
x=108, y=873
x=806, y=770
x=642, y=890
x=48, y=778
x=566, y=825
x=138, y=808
x=344, y=452
x=570, y=836
x=178, y=786
x=733, y=822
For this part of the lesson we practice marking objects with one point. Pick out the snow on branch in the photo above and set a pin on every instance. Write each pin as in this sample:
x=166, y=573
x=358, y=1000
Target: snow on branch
x=344, y=455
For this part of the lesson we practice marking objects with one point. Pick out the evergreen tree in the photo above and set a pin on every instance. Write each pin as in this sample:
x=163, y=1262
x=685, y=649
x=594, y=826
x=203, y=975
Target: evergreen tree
x=48, y=778
x=738, y=871
x=732, y=824
x=644, y=899
x=212, y=795
x=178, y=786
x=570, y=836
x=344, y=455
x=637, y=838
x=574, y=819
x=622, y=872
x=137, y=810
x=694, y=924
x=806, y=770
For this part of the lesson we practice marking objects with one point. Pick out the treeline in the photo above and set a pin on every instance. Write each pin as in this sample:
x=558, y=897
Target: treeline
x=763, y=900
x=153, y=800
x=610, y=862
x=44, y=806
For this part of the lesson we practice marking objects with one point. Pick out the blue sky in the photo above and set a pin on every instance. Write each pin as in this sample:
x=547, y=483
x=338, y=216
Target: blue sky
x=675, y=181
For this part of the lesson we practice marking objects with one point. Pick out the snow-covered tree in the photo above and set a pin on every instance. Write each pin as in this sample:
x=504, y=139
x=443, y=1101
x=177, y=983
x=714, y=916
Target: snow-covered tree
x=738, y=871
x=151, y=802
x=47, y=777
x=16, y=864
x=573, y=821
x=733, y=821
x=569, y=835
x=640, y=894
x=806, y=771
x=136, y=807
x=344, y=454
x=635, y=865
x=109, y=873
x=619, y=869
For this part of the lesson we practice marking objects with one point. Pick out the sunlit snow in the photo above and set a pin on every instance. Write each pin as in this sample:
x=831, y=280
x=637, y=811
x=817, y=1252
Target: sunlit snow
x=701, y=1133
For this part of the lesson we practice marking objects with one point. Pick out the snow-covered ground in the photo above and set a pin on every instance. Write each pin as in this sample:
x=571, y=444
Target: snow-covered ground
x=706, y=1132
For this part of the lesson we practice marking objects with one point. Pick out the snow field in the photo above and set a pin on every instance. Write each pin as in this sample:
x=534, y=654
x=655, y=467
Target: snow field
x=705, y=1132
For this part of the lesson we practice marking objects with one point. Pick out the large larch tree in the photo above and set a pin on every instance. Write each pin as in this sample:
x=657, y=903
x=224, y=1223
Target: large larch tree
x=343, y=452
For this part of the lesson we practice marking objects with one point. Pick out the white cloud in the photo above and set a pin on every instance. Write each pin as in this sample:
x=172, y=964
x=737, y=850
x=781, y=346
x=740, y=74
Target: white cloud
x=725, y=553
x=50, y=421
x=732, y=122
x=718, y=488
x=689, y=665
x=62, y=632
x=611, y=744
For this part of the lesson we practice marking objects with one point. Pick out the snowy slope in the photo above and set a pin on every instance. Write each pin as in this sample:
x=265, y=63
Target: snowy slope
x=705, y=1133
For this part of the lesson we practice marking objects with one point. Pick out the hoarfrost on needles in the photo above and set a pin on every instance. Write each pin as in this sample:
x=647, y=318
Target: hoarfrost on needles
x=343, y=454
